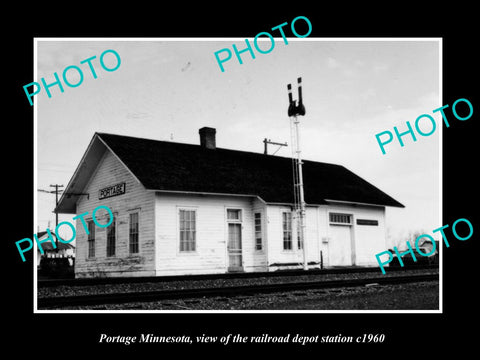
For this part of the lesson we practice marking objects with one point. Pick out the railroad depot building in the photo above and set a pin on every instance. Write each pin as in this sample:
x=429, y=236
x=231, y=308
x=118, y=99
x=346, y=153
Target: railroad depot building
x=198, y=209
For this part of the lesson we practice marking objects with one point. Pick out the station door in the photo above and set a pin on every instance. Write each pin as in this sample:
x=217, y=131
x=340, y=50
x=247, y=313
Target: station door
x=340, y=245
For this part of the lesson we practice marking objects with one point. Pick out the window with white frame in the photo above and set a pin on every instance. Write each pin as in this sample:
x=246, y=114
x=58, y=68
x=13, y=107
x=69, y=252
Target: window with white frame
x=258, y=231
x=133, y=233
x=299, y=235
x=234, y=215
x=91, y=238
x=287, y=230
x=187, y=226
x=338, y=218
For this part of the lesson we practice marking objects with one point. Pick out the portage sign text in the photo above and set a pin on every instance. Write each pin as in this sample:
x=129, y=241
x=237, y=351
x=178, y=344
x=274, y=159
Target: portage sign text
x=114, y=190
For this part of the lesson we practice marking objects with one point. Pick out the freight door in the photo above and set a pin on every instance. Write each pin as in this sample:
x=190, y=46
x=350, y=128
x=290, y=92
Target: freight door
x=339, y=246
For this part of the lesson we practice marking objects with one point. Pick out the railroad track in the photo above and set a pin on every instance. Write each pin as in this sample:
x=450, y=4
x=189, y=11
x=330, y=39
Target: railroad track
x=239, y=275
x=229, y=291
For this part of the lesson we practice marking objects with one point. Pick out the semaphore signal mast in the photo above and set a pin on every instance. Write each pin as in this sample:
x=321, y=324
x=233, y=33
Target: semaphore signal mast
x=294, y=111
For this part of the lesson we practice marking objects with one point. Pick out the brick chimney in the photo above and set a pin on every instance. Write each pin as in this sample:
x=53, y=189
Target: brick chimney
x=207, y=137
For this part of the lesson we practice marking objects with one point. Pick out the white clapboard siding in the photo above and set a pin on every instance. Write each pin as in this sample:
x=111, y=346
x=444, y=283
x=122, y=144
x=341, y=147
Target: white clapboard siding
x=259, y=257
x=276, y=253
x=322, y=216
x=367, y=240
x=211, y=254
x=111, y=171
x=159, y=246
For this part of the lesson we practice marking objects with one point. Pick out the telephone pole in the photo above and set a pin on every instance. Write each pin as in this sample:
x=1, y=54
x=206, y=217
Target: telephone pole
x=268, y=141
x=56, y=186
x=56, y=191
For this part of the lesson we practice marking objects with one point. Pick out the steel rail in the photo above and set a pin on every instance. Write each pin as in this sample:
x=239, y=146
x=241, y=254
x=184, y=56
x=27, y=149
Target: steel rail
x=226, y=276
x=229, y=291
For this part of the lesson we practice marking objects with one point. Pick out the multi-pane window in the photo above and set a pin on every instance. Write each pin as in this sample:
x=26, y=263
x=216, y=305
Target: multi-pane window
x=258, y=231
x=111, y=238
x=91, y=238
x=187, y=230
x=133, y=233
x=299, y=235
x=340, y=218
x=287, y=231
x=234, y=215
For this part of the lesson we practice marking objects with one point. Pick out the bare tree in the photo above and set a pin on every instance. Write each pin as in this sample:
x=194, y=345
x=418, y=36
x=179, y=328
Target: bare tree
x=413, y=235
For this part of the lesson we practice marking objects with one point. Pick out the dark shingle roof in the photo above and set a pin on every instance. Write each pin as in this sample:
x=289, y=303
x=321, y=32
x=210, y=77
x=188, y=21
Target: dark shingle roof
x=48, y=244
x=163, y=165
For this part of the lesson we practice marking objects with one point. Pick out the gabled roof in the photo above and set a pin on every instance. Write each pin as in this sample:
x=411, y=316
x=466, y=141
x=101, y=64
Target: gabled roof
x=170, y=166
x=47, y=246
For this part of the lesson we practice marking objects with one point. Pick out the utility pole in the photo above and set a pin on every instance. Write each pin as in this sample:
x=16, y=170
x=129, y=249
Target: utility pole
x=294, y=111
x=268, y=141
x=56, y=186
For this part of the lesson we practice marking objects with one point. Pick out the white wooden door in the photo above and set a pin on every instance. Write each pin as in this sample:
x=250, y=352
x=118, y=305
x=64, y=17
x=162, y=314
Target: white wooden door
x=235, y=247
x=339, y=246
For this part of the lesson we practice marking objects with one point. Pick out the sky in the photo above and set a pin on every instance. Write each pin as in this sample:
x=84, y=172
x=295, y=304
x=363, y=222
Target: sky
x=167, y=89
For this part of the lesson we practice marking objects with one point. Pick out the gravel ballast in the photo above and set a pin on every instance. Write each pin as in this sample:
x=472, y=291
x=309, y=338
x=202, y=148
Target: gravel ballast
x=64, y=290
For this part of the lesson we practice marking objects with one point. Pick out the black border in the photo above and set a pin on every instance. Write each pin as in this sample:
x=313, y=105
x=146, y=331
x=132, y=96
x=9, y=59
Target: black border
x=409, y=334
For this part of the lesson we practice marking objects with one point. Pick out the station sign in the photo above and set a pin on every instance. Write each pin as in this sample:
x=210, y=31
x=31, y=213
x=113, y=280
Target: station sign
x=114, y=190
x=367, y=222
